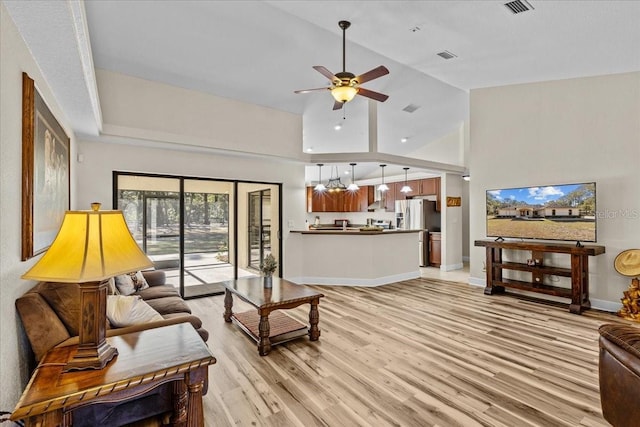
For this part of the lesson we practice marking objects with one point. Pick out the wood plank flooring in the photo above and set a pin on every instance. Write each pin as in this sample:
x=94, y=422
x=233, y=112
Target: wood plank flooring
x=423, y=352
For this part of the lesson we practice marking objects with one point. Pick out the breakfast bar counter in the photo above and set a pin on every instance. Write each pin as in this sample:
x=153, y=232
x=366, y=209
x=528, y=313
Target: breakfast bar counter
x=352, y=257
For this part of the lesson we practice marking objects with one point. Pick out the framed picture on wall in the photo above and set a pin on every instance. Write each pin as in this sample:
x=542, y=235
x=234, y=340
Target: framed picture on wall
x=45, y=172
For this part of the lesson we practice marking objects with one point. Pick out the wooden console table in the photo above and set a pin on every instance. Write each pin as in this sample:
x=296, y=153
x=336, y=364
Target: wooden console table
x=145, y=360
x=579, y=271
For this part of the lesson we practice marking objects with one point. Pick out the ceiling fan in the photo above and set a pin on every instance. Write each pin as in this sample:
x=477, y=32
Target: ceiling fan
x=345, y=85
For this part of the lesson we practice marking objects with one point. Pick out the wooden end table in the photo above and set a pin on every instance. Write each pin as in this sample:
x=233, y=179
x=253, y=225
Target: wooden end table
x=145, y=360
x=282, y=295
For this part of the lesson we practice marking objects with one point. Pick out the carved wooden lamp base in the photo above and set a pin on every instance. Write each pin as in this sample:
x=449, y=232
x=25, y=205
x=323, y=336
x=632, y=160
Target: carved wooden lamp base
x=93, y=350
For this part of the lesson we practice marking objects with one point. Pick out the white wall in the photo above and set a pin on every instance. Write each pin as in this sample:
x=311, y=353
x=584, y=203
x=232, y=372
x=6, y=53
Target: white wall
x=448, y=149
x=451, y=251
x=557, y=132
x=134, y=107
x=15, y=58
x=101, y=159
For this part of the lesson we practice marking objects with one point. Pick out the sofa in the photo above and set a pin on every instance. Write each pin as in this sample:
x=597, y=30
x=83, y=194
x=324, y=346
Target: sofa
x=50, y=316
x=619, y=374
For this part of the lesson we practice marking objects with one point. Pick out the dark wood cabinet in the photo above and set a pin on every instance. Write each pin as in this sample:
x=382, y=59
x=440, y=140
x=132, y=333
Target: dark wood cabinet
x=343, y=201
x=431, y=187
x=428, y=186
x=435, y=249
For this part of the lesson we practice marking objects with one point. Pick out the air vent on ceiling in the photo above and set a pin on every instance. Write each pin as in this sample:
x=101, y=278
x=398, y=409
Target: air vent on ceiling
x=411, y=108
x=447, y=55
x=518, y=6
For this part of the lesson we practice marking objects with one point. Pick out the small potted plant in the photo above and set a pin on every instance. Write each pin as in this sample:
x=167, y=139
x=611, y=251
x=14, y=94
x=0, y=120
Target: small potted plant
x=267, y=267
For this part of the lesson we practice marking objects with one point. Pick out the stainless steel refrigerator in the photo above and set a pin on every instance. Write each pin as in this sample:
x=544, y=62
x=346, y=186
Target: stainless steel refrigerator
x=418, y=214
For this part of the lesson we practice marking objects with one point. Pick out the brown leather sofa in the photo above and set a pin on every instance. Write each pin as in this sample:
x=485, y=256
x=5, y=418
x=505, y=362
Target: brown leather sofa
x=619, y=373
x=50, y=316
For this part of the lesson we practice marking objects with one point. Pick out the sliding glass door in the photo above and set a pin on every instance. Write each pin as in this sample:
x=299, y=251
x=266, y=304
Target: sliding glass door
x=201, y=232
x=207, y=224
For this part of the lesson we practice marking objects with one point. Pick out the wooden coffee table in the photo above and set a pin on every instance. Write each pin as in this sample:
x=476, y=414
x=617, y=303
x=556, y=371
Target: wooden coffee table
x=280, y=327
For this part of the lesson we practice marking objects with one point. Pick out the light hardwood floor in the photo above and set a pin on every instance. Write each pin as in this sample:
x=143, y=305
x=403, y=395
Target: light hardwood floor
x=423, y=352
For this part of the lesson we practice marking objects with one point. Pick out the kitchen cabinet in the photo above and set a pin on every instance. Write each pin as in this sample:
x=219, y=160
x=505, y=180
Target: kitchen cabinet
x=435, y=247
x=390, y=198
x=431, y=187
x=343, y=201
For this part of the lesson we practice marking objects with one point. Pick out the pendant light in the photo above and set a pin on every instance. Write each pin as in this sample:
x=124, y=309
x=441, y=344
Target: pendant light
x=353, y=186
x=320, y=187
x=405, y=189
x=335, y=184
x=383, y=187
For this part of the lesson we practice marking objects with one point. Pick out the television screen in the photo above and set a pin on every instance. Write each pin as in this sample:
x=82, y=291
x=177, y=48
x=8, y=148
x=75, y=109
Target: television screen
x=552, y=212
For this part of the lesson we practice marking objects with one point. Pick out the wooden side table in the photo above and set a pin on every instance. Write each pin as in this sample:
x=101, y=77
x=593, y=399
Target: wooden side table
x=145, y=360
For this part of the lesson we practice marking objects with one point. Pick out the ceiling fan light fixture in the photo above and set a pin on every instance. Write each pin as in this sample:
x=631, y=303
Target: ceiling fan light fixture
x=343, y=93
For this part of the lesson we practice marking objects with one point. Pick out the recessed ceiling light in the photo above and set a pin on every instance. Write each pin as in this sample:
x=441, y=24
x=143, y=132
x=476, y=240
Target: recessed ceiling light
x=404, y=139
x=338, y=126
x=310, y=149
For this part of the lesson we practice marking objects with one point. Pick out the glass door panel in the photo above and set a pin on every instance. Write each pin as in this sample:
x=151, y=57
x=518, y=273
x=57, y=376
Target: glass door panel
x=259, y=227
x=258, y=235
x=208, y=259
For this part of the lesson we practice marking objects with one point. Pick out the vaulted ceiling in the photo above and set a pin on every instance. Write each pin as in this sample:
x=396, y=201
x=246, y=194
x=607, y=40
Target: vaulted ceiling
x=261, y=51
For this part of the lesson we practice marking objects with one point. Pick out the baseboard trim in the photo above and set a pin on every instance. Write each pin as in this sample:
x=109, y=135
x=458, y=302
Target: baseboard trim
x=476, y=281
x=451, y=267
x=343, y=281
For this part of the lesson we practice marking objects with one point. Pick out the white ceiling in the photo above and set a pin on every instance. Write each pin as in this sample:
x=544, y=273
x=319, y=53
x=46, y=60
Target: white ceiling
x=261, y=51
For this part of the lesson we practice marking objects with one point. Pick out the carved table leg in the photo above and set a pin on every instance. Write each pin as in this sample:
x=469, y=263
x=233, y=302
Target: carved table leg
x=179, y=416
x=195, y=380
x=228, y=305
x=314, y=318
x=264, y=344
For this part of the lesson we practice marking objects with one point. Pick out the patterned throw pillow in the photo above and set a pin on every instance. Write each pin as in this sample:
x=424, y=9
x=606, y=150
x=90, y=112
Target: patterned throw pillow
x=130, y=283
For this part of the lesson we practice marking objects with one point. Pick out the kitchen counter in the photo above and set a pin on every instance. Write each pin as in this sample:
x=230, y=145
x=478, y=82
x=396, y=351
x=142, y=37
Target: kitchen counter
x=336, y=257
x=351, y=231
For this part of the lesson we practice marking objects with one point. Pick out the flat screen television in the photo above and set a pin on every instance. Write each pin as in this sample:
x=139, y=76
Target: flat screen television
x=550, y=212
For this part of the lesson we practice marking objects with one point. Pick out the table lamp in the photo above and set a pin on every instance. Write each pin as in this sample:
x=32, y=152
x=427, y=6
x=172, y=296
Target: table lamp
x=91, y=246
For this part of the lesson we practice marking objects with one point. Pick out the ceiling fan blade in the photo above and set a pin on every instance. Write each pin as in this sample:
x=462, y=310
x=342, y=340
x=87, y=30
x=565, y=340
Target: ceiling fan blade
x=372, y=74
x=372, y=94
x=311, y=90
x=328, y=74
x=338, y=105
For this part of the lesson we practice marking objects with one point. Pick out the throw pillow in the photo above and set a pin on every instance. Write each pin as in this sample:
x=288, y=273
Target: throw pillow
x=130, y=310
x=111, y=287
x=130, y=283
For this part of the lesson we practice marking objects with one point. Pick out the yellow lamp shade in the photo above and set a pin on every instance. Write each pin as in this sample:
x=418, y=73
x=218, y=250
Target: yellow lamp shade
x=344, y=93
x=91, y=246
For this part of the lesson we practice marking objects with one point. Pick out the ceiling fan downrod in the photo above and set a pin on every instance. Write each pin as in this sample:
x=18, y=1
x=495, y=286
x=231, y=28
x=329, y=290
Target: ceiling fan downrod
x=344, y=25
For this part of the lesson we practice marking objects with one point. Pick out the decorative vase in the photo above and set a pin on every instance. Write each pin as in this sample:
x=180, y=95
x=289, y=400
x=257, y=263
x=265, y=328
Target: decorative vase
x=268, y=281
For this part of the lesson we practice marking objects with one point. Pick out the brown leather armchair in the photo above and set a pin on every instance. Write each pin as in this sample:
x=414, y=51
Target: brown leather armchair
x=619, y=373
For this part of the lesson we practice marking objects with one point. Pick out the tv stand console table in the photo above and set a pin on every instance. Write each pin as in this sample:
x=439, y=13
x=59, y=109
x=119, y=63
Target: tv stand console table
x=579, y=271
